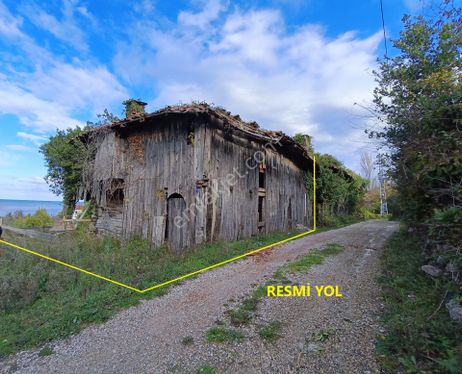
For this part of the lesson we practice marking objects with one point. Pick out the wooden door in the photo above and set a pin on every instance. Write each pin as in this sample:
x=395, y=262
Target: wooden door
x=177, y=224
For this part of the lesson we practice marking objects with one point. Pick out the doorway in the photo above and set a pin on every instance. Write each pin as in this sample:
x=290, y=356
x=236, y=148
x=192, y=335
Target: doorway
x=176, y=223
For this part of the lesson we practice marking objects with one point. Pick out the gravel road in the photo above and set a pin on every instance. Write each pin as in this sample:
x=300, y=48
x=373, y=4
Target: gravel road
x=148, y=338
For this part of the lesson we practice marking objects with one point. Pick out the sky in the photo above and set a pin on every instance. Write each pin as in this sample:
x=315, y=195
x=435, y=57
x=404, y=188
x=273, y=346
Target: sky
x=290, y=65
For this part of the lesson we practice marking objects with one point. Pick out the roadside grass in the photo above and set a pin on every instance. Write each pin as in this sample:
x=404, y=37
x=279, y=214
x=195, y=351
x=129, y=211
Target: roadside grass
x=206, y=369
x=305, y=262
x=419, y=337
x=271, y=332
x=41, y=301
x=244, y=312
x=242, y=315
x=323, y=335
x=326, y=223
x=223, y=334
x=45, y=351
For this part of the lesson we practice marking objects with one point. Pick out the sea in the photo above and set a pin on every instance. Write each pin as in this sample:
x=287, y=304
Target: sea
x=29, y=206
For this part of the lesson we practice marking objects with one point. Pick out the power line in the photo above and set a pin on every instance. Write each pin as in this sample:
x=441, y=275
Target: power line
x=383, y=27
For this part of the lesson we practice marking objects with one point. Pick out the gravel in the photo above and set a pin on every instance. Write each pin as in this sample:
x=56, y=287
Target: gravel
x=148, y=338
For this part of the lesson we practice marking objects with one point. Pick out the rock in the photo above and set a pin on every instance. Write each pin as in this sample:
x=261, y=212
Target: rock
x=455, y=311
x=451, y=267
x=431, y=270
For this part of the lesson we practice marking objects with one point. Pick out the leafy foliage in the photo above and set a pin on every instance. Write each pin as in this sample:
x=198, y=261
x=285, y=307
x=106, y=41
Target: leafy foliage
x=419, y=94
x=39, y=219
x=271, y=331
x=305, y=140
x=419, y=336
x=339, y=190
x=133, y=107
x=104, y=119
x=64, y=156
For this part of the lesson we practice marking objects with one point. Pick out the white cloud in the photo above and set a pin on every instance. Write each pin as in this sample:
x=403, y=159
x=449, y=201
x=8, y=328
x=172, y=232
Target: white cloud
x=249, y=61
x=36, y=139
x=144, y=7
x=78, y=87
x=65, y=28
x=415, y=5
x=25, y=188
x=54, y=95
x=20, y=148
x=43, y=90
x=40, y=114
x=295, y=81
x=203, y=19
x=9, y=25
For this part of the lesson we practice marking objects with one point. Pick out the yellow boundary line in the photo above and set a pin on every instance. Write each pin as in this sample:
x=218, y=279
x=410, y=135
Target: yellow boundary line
x=186, y=275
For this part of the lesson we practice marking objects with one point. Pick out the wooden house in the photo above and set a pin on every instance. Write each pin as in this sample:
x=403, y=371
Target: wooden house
x=192, y=173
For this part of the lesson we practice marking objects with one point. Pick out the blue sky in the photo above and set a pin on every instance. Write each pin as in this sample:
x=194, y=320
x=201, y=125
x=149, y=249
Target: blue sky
x=291, y=65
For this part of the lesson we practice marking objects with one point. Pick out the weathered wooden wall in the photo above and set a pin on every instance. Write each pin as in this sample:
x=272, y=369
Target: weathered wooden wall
x=236, y=211
x=210, y=170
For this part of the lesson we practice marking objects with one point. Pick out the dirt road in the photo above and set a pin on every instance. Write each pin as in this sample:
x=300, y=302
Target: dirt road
x=319, y=335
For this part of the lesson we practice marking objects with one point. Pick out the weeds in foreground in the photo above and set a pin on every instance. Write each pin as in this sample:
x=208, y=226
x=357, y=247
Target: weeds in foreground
x=243, y=314
x=304, y=263
x=46, y=351
x=41, y=301
x=414, y=342
x=223, y=334
x=271, y=332
x=206, y=369
x=323, y=335
x=245, y=311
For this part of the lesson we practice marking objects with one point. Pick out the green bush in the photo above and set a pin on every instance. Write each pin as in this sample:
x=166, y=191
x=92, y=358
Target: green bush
x=39, y=219
x=420, y=337
x=451, y=215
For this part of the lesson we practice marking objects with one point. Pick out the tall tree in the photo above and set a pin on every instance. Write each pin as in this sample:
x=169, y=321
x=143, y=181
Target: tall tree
x=419, y=95
x=367, y=169
x=66, y=157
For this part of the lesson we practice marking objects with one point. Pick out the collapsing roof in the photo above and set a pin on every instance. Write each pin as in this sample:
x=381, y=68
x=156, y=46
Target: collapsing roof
x=284, y=143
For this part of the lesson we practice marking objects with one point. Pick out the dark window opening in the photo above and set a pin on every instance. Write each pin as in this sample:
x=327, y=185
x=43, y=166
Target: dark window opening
x=115, y=194
x=289, y=214
x=261, y=179
x=168, y=213
x=260, y=208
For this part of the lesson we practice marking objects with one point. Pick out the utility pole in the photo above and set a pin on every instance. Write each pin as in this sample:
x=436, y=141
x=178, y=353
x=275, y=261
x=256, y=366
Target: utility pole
x=383, y=192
